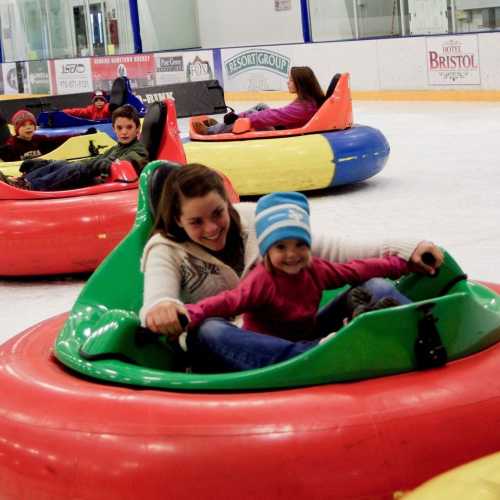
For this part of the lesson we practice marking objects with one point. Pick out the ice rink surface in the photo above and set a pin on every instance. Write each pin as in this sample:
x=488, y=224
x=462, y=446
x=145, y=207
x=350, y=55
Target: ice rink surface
x=442, y=182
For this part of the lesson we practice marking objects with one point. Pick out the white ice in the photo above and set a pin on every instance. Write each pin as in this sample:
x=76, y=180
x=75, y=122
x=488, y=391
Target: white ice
x=442, y=182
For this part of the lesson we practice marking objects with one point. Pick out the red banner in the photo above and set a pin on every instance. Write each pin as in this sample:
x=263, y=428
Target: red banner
x=139, y=68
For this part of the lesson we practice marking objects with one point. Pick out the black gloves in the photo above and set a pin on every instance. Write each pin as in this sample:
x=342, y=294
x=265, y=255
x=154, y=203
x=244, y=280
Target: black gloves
x=230, y=118
x=101, y=166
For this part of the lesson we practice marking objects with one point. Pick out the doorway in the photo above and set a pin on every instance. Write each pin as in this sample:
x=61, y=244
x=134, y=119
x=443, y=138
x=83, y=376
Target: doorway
x=89, y=24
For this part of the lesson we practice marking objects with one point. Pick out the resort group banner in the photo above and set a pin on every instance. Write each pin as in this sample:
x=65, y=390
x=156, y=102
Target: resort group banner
x=138, y=68
x=179, y=67
x=256, y=69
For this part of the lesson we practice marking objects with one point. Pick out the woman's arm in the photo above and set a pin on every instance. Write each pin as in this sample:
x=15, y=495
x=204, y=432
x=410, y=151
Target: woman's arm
x=162, y=285
x=343, y=249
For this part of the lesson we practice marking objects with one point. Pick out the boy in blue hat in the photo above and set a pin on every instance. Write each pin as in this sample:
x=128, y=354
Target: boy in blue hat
x=281, y=295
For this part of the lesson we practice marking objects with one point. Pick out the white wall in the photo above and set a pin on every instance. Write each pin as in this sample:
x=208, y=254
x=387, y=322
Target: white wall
x=171, y=24
x=375, y=65
x=489, y=58
x=254, y=22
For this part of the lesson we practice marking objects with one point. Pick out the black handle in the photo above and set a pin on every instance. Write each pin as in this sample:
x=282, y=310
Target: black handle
x=429, y=259
x=183, y=320
x=146, y=336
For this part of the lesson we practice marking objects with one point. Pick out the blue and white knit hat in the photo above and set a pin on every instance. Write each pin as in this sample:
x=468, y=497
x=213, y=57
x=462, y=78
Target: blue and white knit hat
x=281, y=216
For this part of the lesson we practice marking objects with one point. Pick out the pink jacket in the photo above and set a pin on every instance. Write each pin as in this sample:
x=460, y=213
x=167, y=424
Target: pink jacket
x=285, y=305
x=293, y=115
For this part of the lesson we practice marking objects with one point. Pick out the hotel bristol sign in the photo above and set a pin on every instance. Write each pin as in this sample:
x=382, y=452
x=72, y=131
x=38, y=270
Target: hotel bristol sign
x=453, y=60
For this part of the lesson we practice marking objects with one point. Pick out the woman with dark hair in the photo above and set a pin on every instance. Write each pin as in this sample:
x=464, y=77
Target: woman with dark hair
x=202, y=245
x=301, y=81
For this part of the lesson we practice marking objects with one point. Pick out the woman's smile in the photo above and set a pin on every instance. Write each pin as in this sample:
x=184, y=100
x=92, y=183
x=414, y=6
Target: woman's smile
x=205, y=220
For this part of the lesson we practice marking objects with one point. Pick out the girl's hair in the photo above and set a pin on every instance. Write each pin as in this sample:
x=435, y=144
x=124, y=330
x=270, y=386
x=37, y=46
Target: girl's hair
x=307, y=85
x=190, y=181
x=126, y=111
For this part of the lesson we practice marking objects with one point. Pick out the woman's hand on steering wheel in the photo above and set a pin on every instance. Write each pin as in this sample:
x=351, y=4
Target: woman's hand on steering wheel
x=164, y=318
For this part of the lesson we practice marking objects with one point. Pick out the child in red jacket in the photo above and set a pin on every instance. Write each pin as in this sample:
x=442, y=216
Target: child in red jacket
x=281, y=295
x=98, y=110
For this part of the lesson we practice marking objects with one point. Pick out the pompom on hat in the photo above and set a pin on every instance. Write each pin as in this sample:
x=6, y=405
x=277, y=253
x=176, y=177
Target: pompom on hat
x=282, y=216
x=19, y=118
x=98, y=94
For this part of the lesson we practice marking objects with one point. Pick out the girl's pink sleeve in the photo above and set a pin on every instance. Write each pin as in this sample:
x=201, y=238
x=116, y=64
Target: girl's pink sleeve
x=251, y=292
x=295, y=114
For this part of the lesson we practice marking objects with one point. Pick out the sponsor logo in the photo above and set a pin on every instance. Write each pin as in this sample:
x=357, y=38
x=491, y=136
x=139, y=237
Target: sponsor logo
x=173, y=63
x=121, y=59
x=39, y=78
x=156, y=97
x=11, y=78
x=198, y=69
x=72, y=68
x=453, y=62
x=267, y=60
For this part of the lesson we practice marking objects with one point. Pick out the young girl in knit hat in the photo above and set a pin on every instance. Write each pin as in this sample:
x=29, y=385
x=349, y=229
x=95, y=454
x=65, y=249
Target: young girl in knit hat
x=281, y=295
x=24, y=145
x=97, y=110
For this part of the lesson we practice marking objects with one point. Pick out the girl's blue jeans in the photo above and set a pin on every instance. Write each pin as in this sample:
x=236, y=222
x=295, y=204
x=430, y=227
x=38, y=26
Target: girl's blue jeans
x=220, y=346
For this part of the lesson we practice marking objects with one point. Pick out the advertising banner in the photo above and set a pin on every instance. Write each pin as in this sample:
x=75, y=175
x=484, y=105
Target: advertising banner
x=9, y=77
x=138, y=68
x=256, y=69
x=38, y=77
x=72, y=76
x=170, y=68
x=191, y=98
x=199, y=66
x=180, y=67
x=453, y=60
